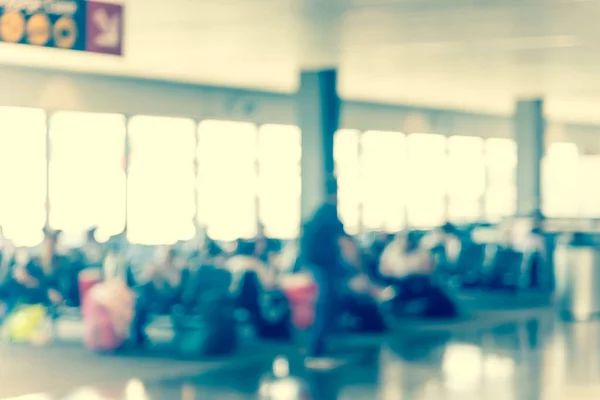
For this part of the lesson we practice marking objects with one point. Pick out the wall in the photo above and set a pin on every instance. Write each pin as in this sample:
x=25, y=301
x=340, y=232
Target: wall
x=54, y=90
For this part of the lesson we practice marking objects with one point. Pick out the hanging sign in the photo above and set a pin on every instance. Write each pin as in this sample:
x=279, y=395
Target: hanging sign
x=65, y=24
x=104, y=25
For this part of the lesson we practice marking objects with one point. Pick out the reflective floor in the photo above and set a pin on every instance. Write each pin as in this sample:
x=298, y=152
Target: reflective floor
x=540, y=359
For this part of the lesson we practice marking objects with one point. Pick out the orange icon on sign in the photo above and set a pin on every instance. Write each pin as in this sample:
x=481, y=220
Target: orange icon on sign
x=38, y=29
x=65, y=33
x=12, y=26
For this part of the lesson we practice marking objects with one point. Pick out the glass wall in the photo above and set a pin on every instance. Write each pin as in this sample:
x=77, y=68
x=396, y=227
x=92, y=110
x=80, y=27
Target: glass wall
x=86, y=174
x=347, y=171
x=227, y=179
x=388, y=180
x=161, y=198
x=501, y=186
x=466, y=178
x=279, y=180
x=427, y=180
x=589, y=186
x=233, y=177
x=384, y=174
x=23, y=174
x=560, y=169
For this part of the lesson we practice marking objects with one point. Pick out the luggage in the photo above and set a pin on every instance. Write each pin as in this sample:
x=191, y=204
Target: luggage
x=88, y=278
x=301, y=292
x=505, y=270
x=418, y=298
x=107, y=316
x=211, y=330
x=267, y=312
x=275, y=318
x=361, y=315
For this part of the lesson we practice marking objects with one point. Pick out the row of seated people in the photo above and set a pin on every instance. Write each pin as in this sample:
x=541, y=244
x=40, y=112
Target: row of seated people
x=176, y=283
x=183, y=286
x=455, y=259
x=48, y=277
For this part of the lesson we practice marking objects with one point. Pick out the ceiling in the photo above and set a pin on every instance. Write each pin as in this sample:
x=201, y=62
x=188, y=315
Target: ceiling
x=465, y=54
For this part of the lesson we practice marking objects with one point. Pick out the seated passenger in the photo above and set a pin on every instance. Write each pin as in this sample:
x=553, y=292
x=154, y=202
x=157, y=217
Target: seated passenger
x=159, y=290
x=445, y=244
x=286, y=260
x=245, y=260
x=534, y=269
x=92, y=250
x=211, y=252
x=59, y=272
x=408, y=268
x=403, y=257
x=26, y=284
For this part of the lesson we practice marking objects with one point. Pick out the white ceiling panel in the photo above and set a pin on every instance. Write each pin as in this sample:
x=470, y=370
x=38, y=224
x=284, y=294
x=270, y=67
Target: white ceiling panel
x=468, y=54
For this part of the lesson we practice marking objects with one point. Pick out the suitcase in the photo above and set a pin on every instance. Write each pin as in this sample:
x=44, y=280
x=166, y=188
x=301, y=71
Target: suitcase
x=301, y=292
x=100, y=333
x=210, y=331
x=88, y=278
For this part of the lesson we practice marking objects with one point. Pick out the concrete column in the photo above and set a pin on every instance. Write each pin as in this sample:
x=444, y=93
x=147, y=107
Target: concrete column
x=529, y=135
x=318, y=117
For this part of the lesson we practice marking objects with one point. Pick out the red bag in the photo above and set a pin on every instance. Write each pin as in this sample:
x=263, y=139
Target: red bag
x=301, y=292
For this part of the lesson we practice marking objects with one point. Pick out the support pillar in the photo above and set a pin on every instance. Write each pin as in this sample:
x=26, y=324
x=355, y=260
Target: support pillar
x=529, y=135
x=318, y=117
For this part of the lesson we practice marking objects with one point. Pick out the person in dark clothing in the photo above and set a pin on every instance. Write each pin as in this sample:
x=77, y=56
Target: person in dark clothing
x=320, y=251
x=159, y=291
x=26, y=284
x=61, y=272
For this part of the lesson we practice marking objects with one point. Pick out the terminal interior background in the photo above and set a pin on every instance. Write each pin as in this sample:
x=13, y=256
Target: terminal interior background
x=414, y=78
x=197, y=124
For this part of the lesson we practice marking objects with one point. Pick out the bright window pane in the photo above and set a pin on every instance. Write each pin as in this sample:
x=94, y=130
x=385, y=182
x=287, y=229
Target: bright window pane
x=347, y=171
x=227, y=179
x=279, y=153
x=426, y=182
x=560, y=167
x=160, y=207
x=589, y=186
x=501, y=188
x=466, y=178
x=87, y=179
x=383, y=172
x=23, y=174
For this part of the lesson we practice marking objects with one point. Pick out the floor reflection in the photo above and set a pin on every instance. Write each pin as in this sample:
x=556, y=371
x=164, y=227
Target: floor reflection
x=540, y=359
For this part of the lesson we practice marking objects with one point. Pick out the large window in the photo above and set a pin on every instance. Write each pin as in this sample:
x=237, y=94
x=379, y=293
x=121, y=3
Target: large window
x=23, y=174
x=589, y=186
x=383, y=174
x=227, y=179
x=426, y=182
x=160, y=203
x=466, y=178
x=347, y=171
x=279, y=172
x=86, y=176
x=501, y=189
x=560, y=169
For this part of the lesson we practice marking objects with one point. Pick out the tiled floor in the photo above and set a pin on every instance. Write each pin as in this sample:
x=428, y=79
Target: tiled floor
x=539, y=359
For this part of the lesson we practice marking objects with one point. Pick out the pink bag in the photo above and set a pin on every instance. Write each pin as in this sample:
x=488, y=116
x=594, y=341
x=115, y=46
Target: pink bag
x=107, y=315
x=100, y=333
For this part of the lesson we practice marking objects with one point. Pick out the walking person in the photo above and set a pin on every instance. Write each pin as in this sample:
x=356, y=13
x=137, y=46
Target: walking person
x=320, y=252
